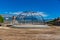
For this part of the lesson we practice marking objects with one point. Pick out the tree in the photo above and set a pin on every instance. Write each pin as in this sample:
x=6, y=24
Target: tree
x=55, y=21
x=1, y=19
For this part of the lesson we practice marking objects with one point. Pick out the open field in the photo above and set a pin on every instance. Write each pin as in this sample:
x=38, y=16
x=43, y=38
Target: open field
x=52, y=33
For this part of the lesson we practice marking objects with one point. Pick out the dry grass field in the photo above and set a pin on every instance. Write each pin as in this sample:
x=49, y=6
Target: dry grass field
x=52, y=33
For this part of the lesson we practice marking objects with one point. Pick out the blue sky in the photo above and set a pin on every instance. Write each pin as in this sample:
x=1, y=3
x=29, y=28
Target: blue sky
x=47, y=7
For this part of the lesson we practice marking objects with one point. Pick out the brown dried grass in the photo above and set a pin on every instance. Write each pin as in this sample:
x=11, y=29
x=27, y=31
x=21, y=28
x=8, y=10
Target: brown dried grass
x=52, y=33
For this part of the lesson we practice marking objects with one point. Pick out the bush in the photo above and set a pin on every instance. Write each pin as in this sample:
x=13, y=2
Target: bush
x=1, y=19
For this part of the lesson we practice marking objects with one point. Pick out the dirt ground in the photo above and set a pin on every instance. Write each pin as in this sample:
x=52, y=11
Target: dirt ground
x=52, y=33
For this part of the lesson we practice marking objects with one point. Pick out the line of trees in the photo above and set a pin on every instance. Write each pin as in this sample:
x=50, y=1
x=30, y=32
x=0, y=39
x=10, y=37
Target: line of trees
x=55, y=21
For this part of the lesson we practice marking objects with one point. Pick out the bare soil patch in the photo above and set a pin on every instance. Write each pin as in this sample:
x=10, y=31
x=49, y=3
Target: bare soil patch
x=52, y=33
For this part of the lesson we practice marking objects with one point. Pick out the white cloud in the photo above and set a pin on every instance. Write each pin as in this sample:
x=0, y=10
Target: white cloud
x=37, y=13
x=42, y=13
x=15, y=13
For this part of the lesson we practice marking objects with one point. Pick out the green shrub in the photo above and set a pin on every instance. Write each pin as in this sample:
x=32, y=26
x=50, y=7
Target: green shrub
x=1, y=19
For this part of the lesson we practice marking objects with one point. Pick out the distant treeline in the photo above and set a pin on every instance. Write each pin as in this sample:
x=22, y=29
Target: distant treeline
x=55, y=21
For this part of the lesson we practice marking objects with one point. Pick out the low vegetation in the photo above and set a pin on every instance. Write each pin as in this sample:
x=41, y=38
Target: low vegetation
x=1, y=19
x=55, y=21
